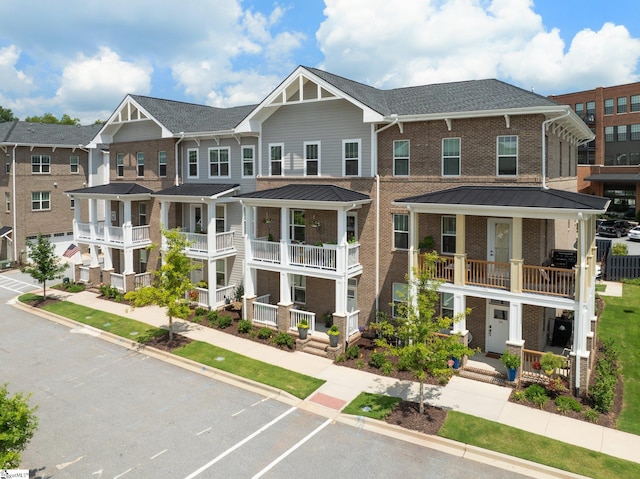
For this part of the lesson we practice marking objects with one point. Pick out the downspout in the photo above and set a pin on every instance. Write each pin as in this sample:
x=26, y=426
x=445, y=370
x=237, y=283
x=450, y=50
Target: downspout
x=545, y=123
x=15, y=205
x=177, y=180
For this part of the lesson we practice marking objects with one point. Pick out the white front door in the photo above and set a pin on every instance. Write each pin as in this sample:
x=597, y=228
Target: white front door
x=196, y=219
x=497, y=328
x=499, y=246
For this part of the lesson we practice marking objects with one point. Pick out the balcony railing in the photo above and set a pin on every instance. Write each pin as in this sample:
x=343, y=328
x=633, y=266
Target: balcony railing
x=117, y=281
x=199, y=242
x=530, y=373
x=327, y=257
x=142, y=280
x=298, y=315
x=112, y=235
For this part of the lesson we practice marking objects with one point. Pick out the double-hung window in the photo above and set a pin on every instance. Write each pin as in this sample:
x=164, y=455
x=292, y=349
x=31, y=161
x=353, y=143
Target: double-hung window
x=608, y=106
x=448, y=235
x=311, y=158
x=635, y=132
x=635, y=102
x=451, y=157
x=608, y=134
x=299, y=289
x=7, y=202
x=622, y=104
x=221, y=272
x=401, y=158
x=40, y=164
x=400, y=231
x=162, y=164
x=142, y=214
x=446, y=305
x=580, y=109
x=507, y=155
x=591, y=108
x=622, y=132
x=218, y=162
x=40, y=201
x=399, y=299
x=275, y=159
x=248, y=154
x=297, y=225
x=140, y=164
x=192, y=160
x=74, y=164
x=351, y=157
x=120, y=165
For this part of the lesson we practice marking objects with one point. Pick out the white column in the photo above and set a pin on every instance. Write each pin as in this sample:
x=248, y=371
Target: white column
x=341, y=239
x=341, y=296
x=284, y=239
x=460, y=307
x=285, y=288
x=128, y=238
x=515, y=322
x=211, y=227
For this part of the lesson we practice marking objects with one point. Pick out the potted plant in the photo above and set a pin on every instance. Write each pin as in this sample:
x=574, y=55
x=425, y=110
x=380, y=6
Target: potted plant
x=512, y=363
x=549, y=362
x=303, y=328
x=333, y=333
x=426, y=244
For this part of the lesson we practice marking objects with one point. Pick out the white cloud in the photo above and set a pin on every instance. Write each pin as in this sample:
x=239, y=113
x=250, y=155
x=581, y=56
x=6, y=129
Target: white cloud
x=12, y=80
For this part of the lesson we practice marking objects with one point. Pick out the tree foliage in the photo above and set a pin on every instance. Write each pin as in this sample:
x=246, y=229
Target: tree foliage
x=18, y=423
x=172, y=281
x=6, y=115
x=415, y=338
x=45, y=265
x=51, y=118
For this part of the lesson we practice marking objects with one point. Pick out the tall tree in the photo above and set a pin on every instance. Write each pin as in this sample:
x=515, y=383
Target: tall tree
x=18, y=422
x=6, y=115
x=45, y=265
x=51, y=118
x=172, y=281
x=422, y=348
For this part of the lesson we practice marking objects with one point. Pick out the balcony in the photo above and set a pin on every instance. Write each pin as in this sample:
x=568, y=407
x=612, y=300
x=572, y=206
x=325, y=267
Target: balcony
x=114, y=236
x=201, y=249
x=329, y=258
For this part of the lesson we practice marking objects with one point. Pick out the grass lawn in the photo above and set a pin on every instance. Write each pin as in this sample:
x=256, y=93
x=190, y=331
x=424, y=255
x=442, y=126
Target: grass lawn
x=620, y=321
x=375, y=406
x=294, y=383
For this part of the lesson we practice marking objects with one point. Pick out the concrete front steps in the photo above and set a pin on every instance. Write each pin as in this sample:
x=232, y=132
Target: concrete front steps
x=316, y=346
x=490, y=376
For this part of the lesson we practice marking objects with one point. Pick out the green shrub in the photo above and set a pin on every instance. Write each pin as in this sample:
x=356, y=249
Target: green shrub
x=340, y=358
x=284, y=340
x=353, y=351
x=224, y=321
x=212, y=316
x=387, y=368
x=197, y=319
x=566, y=403
x=537, y=395
x=619, y=249
x=76, y=288
x=265, y=333
x=591, y=415
x=359, y=364
x=518, y=395
x=377, y=359
x=244, y=326
x=199, y=311
x=606, y=378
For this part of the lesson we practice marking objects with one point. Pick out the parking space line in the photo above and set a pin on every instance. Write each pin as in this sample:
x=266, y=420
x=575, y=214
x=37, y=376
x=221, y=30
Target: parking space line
x=203, y=431
x=159, y=454
x=125, y=472
x=238, y=413
x=240, y=444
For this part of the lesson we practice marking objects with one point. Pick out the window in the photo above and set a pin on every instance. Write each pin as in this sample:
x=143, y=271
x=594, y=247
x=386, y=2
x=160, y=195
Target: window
x=299, y=289
x=586, y=157
x=448, y=234
x=401, y=158
x=451, y=157
x=144, y=258
x=73, y=202
x=74, y=164
x=400, y=296
x=218, y=162
x=40, y=201
x=140, y=163
x=622, y=133
x=635, y=132
x=220, y=218
x=40, y=164
x=635, y=102
x=192, y=158
x=120, y=164
x=275, y=159
x=507, y=155
x=297, y=225
x=591, y=108
x=608, y=133
x=580, y=109
x=247, y=160
x=608, y=106
x=7, y=202
x=351, y=157
x=221, y=272
x=142, y=214
x=446, y=305
x=401, y=231
x=162, y=164
x=312, y=158
x=622, y=104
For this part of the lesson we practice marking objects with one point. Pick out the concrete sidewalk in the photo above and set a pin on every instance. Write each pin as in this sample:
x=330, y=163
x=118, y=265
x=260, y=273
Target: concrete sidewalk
x=344, y=384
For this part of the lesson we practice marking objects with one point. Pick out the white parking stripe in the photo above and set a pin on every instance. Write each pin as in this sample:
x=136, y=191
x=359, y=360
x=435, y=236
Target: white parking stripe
x=240, y=444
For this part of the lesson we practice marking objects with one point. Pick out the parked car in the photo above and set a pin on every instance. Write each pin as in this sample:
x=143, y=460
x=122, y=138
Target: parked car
x=617, y=228
x=634, y=233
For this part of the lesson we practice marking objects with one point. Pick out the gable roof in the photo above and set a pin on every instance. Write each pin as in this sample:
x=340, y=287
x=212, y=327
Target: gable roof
x=113, y=189
x=50, y=134
x=200, y=190
x=308, y=193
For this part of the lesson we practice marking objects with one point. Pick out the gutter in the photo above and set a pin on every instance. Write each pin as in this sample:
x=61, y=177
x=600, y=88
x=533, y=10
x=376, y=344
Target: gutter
x=175, y=157
x=545, y=123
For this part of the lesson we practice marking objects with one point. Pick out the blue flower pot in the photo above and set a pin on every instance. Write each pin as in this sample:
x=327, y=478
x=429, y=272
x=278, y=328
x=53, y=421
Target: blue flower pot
x=456, y=363
x=511, y=374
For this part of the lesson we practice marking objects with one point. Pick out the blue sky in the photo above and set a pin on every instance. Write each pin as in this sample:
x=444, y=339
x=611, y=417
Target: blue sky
x=82, y=57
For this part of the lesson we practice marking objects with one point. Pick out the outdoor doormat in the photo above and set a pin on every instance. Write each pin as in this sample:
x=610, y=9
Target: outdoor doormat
x=493, y=355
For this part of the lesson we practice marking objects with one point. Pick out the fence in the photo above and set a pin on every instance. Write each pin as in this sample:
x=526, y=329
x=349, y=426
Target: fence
x=619, y=267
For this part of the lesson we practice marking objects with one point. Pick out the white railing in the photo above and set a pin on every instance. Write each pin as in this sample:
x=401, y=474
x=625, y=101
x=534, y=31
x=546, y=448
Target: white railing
x=322, y=257
x=140, y=234
x=353, y=255
x=117, y=281
x=298, y=315
x=264, y=313
x=197, y=241
x=263, y=299
x=223, y=293
x=83, y=231
x=142, y=280
x=115, y=234
x=84, y=274
x=265, y=250
x=352, y=322
x=224, y=241
x=197, y=295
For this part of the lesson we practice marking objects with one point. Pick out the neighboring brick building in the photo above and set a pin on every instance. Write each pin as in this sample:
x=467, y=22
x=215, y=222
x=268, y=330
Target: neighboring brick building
x=609, y=166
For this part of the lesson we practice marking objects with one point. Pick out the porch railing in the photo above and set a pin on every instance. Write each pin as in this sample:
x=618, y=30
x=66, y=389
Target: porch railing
x=353, y=255
x=547, y=280
x=117, y=235
x=297, y=315
x=224, y=241
x=266, y=314
x=488, y=273
x=443, y=269
x=140, y=234
x=263, y=299
x=84, y=274
x=117, y=281
x=197, y=241
x=322, y=257
x=223, y=293
x=199, y=296
x=352, y=322
x=263, y=250
x=529, y=373
x=142, y=280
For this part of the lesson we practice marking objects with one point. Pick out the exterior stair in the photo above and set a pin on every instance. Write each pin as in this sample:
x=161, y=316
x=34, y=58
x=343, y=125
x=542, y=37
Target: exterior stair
x=317, y=347
x=485, y=375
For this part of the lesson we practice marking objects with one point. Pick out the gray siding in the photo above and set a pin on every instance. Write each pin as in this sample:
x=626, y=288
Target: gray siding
x=140, y=130
x=328, y=122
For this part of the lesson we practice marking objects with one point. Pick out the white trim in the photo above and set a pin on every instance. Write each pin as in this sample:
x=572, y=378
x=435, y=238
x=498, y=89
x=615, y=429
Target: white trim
x=442, y=157
x=358, y=141
x=253, y=160
x=275, y=145
x=165, y=164
x=189, y=150
x=498, y=156
x=219, y=163
x=408, y=158
x=442, y=234
x=304, y=154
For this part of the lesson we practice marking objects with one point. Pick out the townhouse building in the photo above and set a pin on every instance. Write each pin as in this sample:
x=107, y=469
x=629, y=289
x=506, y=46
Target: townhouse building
x=41, y=162
x=318, y=200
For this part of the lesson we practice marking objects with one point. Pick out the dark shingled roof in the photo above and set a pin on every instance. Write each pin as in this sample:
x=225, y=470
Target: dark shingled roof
x=195, y=189
x=303, y=192
x=510, y=196
x=114, y=189
x=191, y=118
x=464, y=96
x=23, y=132
x=5, y=230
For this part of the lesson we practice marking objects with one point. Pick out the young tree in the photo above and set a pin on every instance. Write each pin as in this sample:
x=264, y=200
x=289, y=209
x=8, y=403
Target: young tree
x=421, y=348
x=45, y=264
x=18, y=422
x=6, y=115
x=172, y=281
